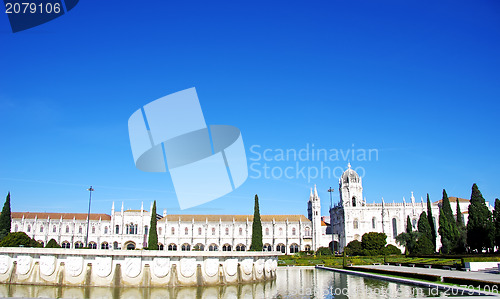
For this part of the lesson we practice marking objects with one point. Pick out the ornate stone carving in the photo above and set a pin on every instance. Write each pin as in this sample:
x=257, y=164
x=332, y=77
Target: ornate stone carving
x=103, y=266
x=268, y=265
x=231, y=266
x=247, y=265
x=188, y=267
x=74, y=265
x=211, y=266
x=132, y=267
x=259, y=266
x=47, y=264
x=161, y=266
x=24, y=264
x=5, y=262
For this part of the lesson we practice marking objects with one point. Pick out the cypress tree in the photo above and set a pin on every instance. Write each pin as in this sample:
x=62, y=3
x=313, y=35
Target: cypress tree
x=496, y=216
x=480, y=227
x=447, y=226
x=256, y=228
x=430, y=219
x=409, y=228
x=5, y=218
x=153, y=234
x=424, y=243
x=461, y=243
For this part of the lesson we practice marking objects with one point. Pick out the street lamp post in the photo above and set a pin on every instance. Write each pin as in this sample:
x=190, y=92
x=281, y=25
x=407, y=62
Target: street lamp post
x=331, y=191
x=88, y=217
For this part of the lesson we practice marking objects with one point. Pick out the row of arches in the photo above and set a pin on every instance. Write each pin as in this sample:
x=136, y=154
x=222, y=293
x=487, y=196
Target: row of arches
x=41, y=229
x=240, y=231
x=293, y=248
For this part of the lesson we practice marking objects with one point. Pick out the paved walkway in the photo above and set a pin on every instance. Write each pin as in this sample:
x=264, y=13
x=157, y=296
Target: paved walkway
x=462, y=292
x=485, y=276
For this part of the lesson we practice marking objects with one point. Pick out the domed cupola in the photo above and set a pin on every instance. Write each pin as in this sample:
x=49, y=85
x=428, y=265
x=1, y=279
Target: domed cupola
x=350, y=176
x=351, y=190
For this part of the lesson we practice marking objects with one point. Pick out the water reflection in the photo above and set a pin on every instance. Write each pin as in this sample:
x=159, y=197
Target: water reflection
x=290, y=283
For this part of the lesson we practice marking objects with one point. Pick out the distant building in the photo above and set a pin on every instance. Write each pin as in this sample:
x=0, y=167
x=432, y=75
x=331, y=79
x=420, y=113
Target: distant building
x=353, y=216
x=128, y=229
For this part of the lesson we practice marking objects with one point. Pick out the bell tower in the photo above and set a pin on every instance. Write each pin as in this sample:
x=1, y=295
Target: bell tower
x=351, y=189
x=314, y=214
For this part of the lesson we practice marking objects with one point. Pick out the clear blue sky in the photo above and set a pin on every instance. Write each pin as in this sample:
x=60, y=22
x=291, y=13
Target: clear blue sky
x=419, y=81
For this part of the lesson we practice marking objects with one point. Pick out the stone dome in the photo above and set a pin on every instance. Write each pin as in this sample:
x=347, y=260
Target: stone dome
x=350, y=176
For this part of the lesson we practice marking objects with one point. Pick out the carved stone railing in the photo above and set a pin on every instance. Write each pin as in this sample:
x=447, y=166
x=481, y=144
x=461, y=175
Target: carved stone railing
x=133, y=268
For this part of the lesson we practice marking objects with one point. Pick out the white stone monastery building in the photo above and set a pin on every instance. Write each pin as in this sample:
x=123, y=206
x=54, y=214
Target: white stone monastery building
x=353, y=216
x=128, y=229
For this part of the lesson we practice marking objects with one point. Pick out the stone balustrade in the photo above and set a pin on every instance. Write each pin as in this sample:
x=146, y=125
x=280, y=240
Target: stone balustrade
x=133, y=268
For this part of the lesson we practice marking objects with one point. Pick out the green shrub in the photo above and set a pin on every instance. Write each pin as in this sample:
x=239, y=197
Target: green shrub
x=391, y=249
x=354, y=248
x=52, y=244
x=18, y=239
x=323, y=251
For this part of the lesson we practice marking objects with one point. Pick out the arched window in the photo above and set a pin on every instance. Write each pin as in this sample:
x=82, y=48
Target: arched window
x=92, y=245
x=41, y=228
x=173, y=230
x=240, y=231
x=67, y=228
x=308, y=232
x=307, y=248
x=213, y=231
x=16, y=228
x=117, y=229
x=226, y=247
x=294, y=248
x=104, y=245
x=281, y=231
x=294, y=231
x=186, y=231
x=394, y=228
x=266, y=247
x=159, y=230
x=80, y=230
x=185, y=247
x=54, y=229
x=131, y=246
x=374, y=222
x=355, y=224
x=78, y=245
x=146, y=230
x=160, y=246
x=414, y=223
x=354, y=201
x=93, y=229
x=240, y=247
x=267, y=231
x=227, y=231
x=65, y=244
x=199, y=247
x=115, y=245
x=281, y=248
x=29, y=228
x=213, y=247
x=172, y=247
x=105, y=230
x=199, y=231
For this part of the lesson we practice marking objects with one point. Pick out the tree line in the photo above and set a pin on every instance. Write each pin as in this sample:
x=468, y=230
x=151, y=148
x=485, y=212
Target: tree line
x=482, y=232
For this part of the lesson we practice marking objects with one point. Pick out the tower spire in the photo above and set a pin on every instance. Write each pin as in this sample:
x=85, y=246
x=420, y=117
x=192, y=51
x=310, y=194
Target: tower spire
x=315, y=192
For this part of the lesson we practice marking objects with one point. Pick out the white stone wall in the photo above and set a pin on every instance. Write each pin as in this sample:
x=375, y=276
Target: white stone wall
x=278, y=235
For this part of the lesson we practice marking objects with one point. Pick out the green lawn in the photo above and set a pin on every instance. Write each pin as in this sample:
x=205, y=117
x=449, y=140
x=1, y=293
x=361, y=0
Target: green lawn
x=337, y=261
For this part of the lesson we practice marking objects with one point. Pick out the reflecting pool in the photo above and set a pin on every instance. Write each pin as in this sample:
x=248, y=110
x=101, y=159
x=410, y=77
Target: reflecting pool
x=291, y=282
